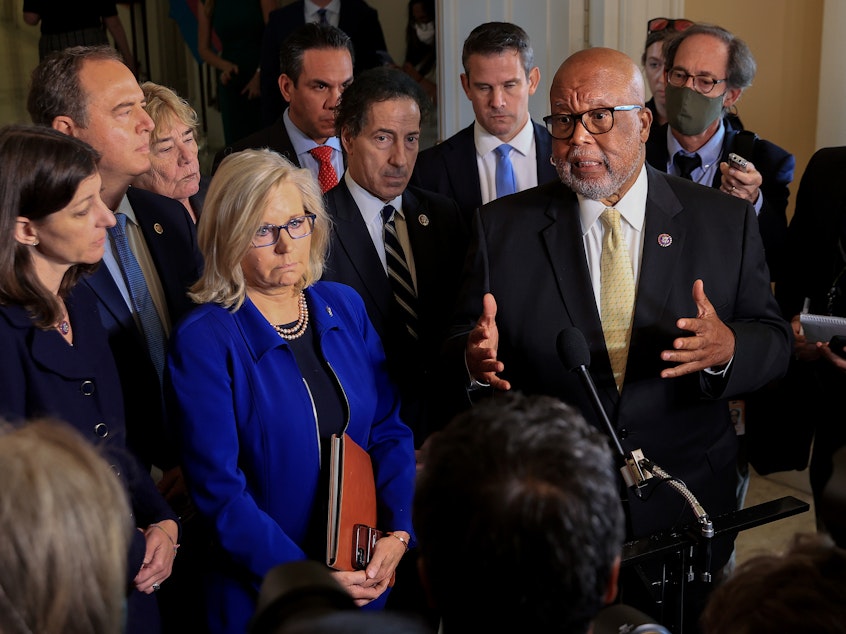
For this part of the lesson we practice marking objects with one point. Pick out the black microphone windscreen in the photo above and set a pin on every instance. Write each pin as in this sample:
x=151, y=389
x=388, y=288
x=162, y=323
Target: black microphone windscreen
x=572, y=348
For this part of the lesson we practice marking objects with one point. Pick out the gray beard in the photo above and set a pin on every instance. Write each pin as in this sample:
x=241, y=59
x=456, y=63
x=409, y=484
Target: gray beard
x=592, y=190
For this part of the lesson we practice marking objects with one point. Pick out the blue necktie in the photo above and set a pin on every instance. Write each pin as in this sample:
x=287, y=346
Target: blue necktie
x=505, y=183
x=399, y=274
x=321, y=13
x=139, y=295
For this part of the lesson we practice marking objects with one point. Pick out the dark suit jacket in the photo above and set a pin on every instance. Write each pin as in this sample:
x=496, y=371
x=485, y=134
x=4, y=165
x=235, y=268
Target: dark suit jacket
x=527, y=250
x=812, y=390
x=438, y=239
x=274, y=137
x=41, y=375
x=449, y=168
x=776, y=166
x=358, y=20
x=172, y=240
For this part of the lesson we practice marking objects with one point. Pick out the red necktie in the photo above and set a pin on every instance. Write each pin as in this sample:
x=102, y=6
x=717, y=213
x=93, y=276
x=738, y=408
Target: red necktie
x=327, y=177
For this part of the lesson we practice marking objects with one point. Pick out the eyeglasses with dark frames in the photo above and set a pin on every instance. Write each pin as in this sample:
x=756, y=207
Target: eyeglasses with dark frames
x=299, y=227
x=596, y=121
x=655, y=25
x=702, y=84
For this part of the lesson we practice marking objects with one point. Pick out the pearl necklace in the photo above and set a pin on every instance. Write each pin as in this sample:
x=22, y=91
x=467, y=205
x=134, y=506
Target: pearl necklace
x=298, y=329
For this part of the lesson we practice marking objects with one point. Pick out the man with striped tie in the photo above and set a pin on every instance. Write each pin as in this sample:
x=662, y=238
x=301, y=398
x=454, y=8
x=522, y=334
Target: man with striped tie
x=400, y=247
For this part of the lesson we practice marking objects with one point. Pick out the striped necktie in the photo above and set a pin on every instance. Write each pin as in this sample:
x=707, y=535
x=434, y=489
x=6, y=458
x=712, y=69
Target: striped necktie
x=616, y=294
x=399, y=274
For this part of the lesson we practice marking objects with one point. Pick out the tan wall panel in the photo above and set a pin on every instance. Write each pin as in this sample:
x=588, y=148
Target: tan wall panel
x=784, y=35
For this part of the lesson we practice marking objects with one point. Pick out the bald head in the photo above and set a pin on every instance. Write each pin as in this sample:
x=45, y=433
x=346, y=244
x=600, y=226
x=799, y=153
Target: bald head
x=598, y=83
x=600, y=71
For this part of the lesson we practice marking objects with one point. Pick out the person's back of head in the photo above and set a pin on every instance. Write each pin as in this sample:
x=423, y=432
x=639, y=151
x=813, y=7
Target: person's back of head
x=518, y=518
x=65, y=522
x=803, y=590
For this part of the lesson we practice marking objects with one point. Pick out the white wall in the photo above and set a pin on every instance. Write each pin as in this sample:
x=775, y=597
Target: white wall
x=831, y=111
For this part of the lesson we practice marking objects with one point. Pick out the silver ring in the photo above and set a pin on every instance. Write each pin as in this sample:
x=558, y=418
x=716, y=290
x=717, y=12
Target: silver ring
x=732, y=188
x=157, y=586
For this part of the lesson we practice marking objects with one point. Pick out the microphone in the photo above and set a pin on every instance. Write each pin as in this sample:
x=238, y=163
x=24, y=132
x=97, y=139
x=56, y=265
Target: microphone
x=574, y=353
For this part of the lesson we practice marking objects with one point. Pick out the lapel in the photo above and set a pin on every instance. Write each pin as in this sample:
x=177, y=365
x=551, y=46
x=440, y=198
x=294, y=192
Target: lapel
x=564, y=247
x=108, y=295
x=52, y=352
x=421, y=235
x=543, y=153
x=354, y=240
x=658, y=262
x=460, y=162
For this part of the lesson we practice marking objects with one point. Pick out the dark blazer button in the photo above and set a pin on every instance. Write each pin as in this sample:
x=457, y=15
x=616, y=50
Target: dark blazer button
x=624, y=433
x=101, y=429
x=87, y=388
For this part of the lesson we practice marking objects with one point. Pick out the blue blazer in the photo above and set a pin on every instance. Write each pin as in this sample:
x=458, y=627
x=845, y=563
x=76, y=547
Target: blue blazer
x=682, y=424
x=449, y=168
x=249, y=438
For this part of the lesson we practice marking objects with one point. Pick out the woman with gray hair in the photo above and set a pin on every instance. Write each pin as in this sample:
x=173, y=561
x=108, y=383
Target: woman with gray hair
x=174, y=155
x=263, y=372
x=66, y=570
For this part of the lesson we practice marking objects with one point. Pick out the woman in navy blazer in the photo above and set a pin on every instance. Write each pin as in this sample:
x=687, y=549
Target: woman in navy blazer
x=262, y=373
x=55, y=359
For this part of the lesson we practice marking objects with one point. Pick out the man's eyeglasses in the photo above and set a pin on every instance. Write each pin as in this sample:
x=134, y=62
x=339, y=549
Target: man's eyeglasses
x=596, y=121
x=701, y=83
x=666, y=24
x=299, y=227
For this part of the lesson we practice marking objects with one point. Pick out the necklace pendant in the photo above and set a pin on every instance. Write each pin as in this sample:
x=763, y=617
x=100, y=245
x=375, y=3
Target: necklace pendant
x=64, y=327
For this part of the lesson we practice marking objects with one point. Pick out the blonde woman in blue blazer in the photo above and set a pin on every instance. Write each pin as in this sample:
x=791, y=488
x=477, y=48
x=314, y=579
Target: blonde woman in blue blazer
x=269, y=365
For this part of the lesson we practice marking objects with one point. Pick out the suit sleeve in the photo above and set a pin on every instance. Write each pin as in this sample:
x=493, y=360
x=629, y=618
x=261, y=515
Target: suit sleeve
x=763, y=340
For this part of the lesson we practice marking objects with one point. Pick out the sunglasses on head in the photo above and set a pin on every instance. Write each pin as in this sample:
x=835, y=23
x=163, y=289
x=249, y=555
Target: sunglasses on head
x=666, y=24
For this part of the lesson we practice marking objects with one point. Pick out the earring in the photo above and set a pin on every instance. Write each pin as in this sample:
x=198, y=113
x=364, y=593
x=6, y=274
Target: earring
x=35, y=242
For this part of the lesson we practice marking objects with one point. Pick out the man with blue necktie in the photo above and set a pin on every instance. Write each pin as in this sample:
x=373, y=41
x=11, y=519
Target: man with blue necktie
x=510, y=152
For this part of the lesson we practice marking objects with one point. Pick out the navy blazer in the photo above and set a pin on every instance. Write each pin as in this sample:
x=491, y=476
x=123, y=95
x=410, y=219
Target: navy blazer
x=250, y=441
x=449, y=168
x=171, y=238
x=776, y=167
x=357, y=19
x=438, y=237
x=681, y=424
x=274, y=137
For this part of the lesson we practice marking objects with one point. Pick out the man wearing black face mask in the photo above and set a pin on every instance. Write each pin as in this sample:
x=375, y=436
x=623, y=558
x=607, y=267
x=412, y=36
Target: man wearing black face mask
x=707, y=69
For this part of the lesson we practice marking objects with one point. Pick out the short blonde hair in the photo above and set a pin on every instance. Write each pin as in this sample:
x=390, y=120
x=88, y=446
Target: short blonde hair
x=163, y=102
x=233, y=211
x=65, y=521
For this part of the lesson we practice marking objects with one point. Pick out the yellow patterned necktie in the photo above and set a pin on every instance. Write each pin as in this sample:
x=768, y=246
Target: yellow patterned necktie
x=616, y=295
